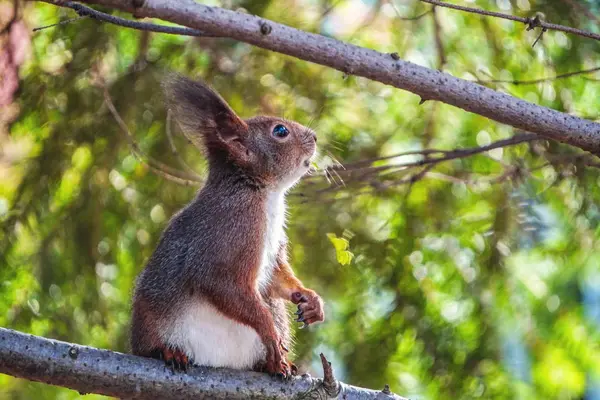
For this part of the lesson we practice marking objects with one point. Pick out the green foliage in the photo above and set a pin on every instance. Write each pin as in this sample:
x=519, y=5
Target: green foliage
x=343, y=255
x=443, y=273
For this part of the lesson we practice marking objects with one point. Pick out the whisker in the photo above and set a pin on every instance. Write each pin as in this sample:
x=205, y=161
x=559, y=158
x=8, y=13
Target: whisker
x=336, y=162
x=341, y=180
x=310, y=122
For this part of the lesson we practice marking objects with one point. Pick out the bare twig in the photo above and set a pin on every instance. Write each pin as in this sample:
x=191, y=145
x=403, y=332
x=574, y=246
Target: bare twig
x=531, y=23
x=90, y=370
x=439, y=44
x=445, y=155
x=541, y=80
x=64, y=22
x=84, y=11
x=415, y=18
x=375, y=186
x=329, y=8
x=537, y=39
x=330, y=385
x=410, y=180
x=369, y=18
x=156, y=166
x=384, y=177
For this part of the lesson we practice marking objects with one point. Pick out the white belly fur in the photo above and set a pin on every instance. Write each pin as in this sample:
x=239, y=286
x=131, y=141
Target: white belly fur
x=212, y=339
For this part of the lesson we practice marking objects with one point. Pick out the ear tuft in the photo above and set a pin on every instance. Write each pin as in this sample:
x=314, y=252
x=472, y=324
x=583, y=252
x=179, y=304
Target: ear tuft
x=205, y=118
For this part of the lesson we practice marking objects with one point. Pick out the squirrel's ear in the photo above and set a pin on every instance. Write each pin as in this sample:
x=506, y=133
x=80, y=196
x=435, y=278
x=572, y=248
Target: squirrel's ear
x=203, y=115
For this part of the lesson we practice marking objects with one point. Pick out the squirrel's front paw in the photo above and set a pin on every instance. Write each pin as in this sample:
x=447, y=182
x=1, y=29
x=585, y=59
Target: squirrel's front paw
x=310, y=307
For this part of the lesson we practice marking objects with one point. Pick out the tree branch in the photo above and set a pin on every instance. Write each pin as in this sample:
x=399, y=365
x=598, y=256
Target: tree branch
x=540, y=80
x=156, y=166
x=444, y=155
x=383, y=177
x=90, y=370
x=84, y=11
x=360, y=61
x=439, y=43
x=531, y=23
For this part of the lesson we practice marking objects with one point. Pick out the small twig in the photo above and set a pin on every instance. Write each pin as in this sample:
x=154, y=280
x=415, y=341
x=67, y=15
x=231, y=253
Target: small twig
x=84, y=11
x=541, y=80
x=156, y=166
x=446, y=155
x=531, y=23
x=362, y=163
x=329, y=8
x=439, y=44
x=415, y=18
x=330, y=384
x=539, y=37
x=369, y=18
x=66, y=21
x=411, y=180
x=386, y=176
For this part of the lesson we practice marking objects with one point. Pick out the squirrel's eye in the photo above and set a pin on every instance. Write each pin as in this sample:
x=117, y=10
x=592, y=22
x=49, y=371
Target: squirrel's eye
x=280, y=131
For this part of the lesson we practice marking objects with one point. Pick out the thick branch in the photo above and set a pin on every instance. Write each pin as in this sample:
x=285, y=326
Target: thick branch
x=90, y=370
x=354, y=60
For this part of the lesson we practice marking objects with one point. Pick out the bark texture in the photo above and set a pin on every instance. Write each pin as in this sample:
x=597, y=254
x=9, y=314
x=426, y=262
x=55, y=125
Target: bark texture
x=90, y=370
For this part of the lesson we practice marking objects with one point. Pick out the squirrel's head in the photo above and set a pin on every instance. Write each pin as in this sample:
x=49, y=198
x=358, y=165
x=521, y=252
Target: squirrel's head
x=269, y=150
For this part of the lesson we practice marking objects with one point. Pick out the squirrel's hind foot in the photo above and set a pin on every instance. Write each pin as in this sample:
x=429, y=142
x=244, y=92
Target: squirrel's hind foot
x=288, y=370
x=174, y=358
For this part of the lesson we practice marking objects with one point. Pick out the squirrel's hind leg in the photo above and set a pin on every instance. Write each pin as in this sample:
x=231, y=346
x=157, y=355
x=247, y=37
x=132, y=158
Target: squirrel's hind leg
x=282, y=325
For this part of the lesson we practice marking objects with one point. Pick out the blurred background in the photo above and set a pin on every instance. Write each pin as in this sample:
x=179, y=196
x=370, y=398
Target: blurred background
x=475, y=277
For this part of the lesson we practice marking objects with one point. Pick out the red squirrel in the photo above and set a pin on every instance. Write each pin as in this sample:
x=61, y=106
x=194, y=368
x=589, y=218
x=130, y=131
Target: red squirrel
x=213, y=292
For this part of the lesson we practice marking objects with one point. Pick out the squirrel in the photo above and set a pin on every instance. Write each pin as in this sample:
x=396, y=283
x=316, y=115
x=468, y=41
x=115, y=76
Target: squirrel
x=213, y=292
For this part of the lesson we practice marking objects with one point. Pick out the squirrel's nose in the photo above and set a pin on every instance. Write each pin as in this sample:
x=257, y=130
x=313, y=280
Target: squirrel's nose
x=314, y=135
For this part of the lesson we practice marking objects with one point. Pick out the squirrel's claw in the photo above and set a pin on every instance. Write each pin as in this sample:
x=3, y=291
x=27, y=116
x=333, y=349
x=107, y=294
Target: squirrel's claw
x=175, y=359
x=301, y=318
x=310, y=311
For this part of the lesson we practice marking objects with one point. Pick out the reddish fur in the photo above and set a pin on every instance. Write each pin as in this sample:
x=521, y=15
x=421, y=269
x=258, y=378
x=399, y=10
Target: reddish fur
x=287, y=286
x=212, y=250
